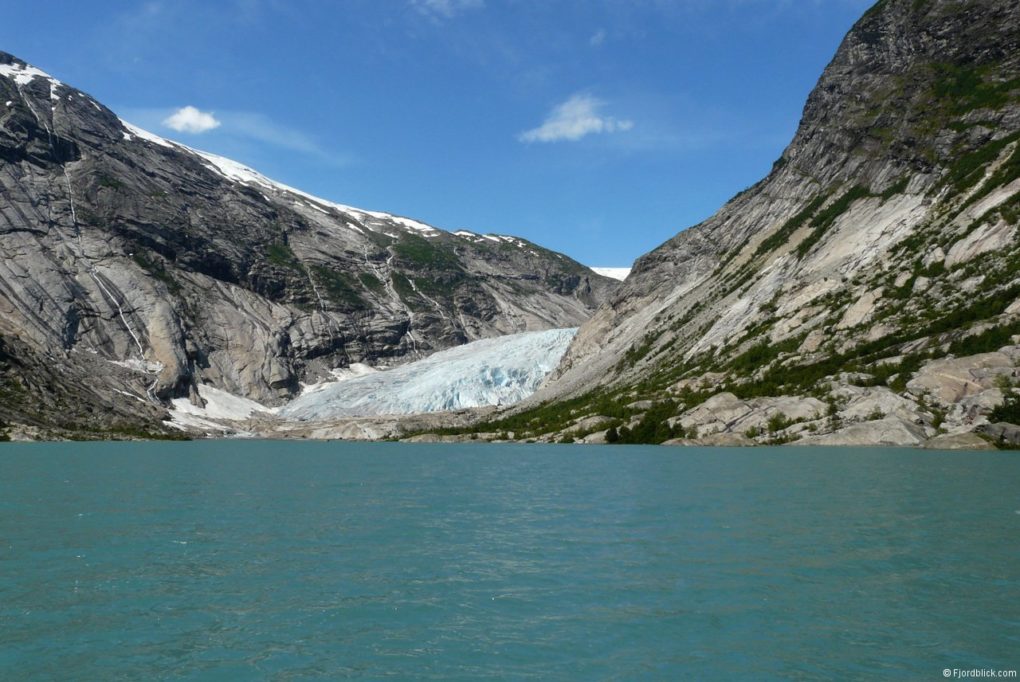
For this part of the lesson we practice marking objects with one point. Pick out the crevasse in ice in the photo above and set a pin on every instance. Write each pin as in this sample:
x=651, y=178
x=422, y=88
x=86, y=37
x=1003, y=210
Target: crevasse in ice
x=496, y=371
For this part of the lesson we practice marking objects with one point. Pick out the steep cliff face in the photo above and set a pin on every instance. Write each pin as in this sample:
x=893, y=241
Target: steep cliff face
x=884, y=236
x=170, y=267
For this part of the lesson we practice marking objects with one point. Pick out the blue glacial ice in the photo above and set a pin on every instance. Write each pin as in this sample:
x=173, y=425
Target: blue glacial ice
x=498, y=371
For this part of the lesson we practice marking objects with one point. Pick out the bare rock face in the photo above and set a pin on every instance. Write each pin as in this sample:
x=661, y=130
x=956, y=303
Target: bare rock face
x=171, y=267
x=883, y=239
x=888, y=431
x=959, y=441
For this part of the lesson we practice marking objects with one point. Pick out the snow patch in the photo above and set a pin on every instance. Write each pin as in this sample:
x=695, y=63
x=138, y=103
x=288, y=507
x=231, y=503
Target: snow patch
x=134, y=131
x=24, y=74
x=615, y=273
x=415, y=225
x=219, y=404
x=498, y=371
x=136, y=365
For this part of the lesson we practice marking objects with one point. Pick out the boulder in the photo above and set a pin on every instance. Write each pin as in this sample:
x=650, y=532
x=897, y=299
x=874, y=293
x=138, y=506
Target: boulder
x=888, y=431
x=988, y=237
x=587, y=424
x=715, y=414
x=1002, y=433
x=949, y=380
x=861, y=310
x=864, y=402
x=726, y=440
x=957, y=441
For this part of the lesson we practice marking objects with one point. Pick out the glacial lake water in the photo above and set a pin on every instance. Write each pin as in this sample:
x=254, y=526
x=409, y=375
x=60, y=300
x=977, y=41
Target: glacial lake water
x=281, y=560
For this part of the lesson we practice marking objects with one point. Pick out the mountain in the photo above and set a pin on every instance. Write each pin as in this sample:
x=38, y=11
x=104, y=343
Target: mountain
x=135, y=269
x=865, y=291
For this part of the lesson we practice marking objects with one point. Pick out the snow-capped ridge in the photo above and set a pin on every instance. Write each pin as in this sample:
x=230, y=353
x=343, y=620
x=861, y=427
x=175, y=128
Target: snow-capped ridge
x=496, y=238
x=23, y=74
x=238, y=172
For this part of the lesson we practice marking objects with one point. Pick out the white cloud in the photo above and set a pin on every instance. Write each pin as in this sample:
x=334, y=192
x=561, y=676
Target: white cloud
x=444, y=9
x=597, y=38
x=572, y=120
x=190, y=120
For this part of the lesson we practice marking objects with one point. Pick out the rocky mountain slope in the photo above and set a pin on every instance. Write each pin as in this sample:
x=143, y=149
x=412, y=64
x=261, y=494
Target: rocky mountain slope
x=866, y=289
x=133, y=269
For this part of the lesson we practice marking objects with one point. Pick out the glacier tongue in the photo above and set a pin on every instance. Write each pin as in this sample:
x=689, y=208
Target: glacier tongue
x=496, y=371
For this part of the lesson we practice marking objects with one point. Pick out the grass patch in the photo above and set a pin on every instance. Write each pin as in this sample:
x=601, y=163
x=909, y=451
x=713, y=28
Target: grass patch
x=782, y=235
x=961, y=89
x=763, y=353
x=653, y=427
x=969, y=168
x=444, y=285
x=420, y=252
x=157, y=270
x=279, y=253
x=341, y=288
x=987, y=341
x=371, y=282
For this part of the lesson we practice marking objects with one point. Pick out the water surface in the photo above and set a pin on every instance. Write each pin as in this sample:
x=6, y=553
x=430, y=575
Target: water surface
x=283, y=560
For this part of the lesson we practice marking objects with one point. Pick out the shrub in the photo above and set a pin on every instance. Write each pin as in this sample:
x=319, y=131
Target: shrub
x=1008, y=411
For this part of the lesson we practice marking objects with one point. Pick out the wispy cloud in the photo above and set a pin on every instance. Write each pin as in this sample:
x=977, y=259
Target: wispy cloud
x=261, y=128
x=190, y=120
x=235, y=128
x=597, y=38
x=445, y=9
x=577, y=117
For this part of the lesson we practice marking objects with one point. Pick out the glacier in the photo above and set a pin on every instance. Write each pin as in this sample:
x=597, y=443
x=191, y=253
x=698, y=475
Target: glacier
x=616, y=273
x=497, y=371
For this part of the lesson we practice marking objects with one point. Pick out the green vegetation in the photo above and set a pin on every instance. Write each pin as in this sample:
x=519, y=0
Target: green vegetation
x=126, y=431
x=1010, y=210
x=635, y=353
x=778, y=422
x=552, y=416
x=279, y=253
x=763, y=353
x=783, y=234
x=340, y=287
x=821, y=219
x=969, y=168
x=421, y=252
x=157, y=270
x=371, y=282
x=827, y=216
x=898, y=187
x=406, y=291
x=109, y=182
x=1008, y=411
x=1003, y=175
x=443, y=286
x=987, y=341
x=653, y=427
x=960, y=89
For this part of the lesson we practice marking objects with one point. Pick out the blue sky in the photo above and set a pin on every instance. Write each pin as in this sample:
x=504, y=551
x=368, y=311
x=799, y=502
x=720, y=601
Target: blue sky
x=599, y=128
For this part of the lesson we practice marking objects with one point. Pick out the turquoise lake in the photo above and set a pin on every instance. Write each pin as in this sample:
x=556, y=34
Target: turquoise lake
x=281, y=560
